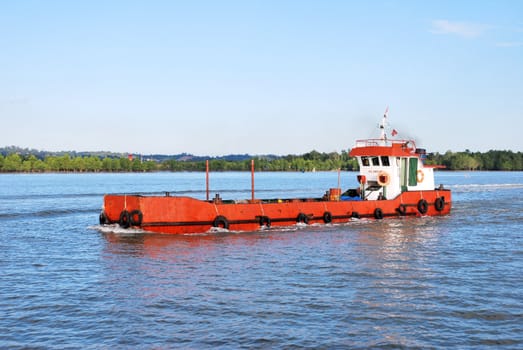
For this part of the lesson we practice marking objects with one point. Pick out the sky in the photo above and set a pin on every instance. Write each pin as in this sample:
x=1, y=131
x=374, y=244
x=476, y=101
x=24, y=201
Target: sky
x=259, y=77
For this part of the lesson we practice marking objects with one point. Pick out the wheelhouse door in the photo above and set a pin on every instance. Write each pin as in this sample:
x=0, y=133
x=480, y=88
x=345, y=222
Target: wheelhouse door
x=404, y=174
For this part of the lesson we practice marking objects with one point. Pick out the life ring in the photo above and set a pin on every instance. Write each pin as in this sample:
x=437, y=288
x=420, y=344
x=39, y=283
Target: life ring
x=402, y=209
x=221, y=221
x=420, y=176
x=327, y=217
x=125, y=219
x=265, y=221
x=302, y=218
x=383, y=178
x=135, y=218
x=439, y=203
x=378, y=213
x=104, y=220
x=423, y=206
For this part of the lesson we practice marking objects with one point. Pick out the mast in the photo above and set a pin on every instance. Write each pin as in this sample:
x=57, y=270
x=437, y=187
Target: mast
x=383, y=125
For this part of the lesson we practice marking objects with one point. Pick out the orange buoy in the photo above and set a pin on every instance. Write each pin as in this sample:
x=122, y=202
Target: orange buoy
x=383, y=178
x=420, y=176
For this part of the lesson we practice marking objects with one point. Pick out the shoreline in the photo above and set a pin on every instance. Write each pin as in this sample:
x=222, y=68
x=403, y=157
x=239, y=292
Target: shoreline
x=226, y=171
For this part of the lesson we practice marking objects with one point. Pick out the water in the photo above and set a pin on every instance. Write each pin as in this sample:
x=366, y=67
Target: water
x=453, y=281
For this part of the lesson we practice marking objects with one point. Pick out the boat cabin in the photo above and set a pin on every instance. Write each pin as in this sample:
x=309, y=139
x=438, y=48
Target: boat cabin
x=390, y=167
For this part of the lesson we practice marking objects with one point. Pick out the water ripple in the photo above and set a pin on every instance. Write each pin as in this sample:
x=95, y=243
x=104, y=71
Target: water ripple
x=440, y=282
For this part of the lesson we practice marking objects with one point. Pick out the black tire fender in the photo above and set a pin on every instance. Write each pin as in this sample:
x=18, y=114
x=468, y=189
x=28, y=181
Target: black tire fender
x=104, y=220
x=302, y=218
x=423, y=206
x=265, y=221
x=135, y=218
x=125, y=219
x=378, y=213
x=439, y=203
x=221, y=221
x=327, y=217
x=402, y=210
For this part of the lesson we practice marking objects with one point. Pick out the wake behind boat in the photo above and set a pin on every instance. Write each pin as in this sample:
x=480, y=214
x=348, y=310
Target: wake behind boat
x=393, y=180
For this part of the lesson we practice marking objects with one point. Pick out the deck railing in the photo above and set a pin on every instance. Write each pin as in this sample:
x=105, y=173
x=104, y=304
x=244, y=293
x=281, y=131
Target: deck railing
x=384, y=143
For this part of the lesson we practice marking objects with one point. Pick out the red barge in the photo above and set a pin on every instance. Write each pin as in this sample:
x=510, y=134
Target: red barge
x=393, y=181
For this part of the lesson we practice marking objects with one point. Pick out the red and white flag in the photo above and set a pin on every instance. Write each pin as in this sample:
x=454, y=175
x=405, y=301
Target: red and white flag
x=394, y=132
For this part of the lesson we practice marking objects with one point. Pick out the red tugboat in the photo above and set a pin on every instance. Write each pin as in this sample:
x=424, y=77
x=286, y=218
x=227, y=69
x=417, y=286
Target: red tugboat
x=393, y=180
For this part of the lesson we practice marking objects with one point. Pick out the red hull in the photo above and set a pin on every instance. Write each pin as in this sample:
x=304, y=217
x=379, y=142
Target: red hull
x=181, y=215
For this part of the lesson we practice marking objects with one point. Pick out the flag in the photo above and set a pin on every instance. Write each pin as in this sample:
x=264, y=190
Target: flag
x=394, y=132
x=386, y=112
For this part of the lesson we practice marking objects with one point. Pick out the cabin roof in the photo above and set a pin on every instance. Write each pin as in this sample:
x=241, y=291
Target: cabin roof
x=380, y=147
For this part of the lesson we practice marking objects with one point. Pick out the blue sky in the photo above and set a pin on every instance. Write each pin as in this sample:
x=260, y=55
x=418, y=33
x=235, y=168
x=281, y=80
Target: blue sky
x=259, y=77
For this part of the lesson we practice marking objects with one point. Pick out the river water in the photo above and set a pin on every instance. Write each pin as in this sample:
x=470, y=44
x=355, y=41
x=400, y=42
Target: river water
x=444, y=282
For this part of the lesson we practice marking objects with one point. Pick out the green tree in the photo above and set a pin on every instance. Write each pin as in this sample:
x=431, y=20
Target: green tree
x=78, y=164
x=12, y=163
x=93, y=164
x=65, y=163
x=107, y=164
x=136, y=165
x=150, y=166
x=116, y=165
x=125, y=164
x=28, y=164
x=39, y=166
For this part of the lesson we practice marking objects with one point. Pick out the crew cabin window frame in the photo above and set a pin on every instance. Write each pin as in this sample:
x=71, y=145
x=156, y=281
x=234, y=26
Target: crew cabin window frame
x=367, y=161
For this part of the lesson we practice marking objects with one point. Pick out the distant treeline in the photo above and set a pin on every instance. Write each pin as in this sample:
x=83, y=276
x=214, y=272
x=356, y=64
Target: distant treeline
x=32, y=163
x=491, y=160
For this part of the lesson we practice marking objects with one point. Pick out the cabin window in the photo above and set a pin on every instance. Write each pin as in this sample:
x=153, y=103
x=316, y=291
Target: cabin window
x=385, y=161
x=375, y=161
x=365, y=161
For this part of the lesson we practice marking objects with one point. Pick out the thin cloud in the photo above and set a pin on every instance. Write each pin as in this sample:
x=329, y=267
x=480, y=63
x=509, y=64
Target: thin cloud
x=18, y=100
x=510, y=44
x=462, y=29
